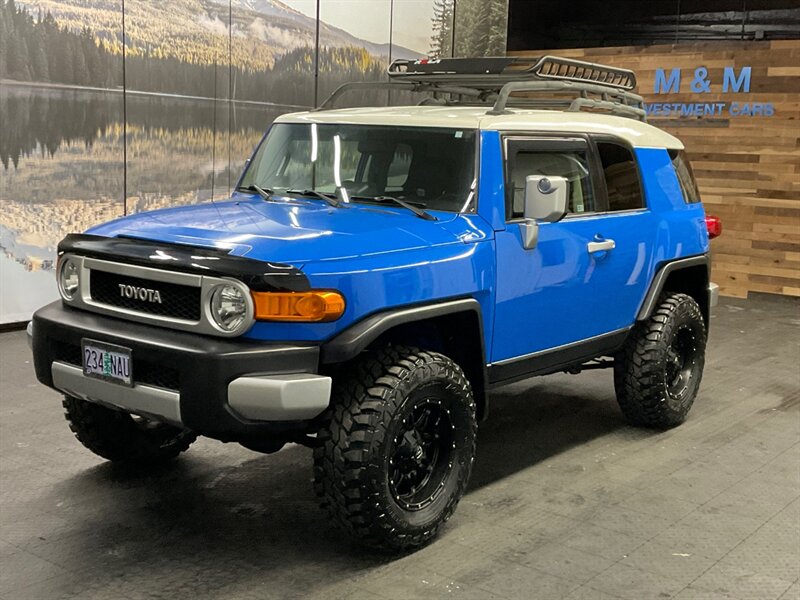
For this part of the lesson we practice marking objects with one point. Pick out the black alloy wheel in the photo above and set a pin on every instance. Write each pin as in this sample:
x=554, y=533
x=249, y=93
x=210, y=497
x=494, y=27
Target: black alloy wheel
x=657, y=374
x=422, y=455
x=396, y=447
x=681, y=361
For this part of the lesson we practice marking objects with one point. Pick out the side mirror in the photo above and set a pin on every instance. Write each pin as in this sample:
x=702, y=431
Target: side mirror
x=545, y=198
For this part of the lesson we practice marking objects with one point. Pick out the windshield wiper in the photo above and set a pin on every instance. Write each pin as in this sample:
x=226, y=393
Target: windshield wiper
x=329, y=198
x=266, y=193
x=416, y=210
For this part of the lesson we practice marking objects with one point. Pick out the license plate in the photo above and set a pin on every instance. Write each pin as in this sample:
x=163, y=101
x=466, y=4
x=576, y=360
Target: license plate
x=107, y=362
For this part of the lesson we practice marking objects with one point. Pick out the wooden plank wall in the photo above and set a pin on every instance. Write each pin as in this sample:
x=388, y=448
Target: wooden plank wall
x=748, y=168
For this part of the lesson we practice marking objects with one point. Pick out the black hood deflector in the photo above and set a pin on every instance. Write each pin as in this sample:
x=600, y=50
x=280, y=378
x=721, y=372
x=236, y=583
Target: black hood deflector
x=258, y=275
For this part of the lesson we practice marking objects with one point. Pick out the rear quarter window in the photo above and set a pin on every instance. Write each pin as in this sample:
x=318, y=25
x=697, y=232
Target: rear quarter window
x=621, y=175
x=683, y=169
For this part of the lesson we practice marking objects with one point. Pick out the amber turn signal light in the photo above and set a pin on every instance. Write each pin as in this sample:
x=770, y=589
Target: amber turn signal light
x=310, y=307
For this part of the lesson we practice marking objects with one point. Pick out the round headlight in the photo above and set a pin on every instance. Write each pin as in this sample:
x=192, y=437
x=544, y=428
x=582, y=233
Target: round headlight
x=228, y=307
x=69, y=278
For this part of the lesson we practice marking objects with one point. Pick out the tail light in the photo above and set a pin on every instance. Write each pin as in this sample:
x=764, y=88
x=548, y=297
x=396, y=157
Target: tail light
x=714, y=226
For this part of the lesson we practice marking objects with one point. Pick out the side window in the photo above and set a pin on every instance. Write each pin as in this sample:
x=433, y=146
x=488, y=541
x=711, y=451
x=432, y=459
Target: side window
x=622, y=177
x=572, y=165
x=685, y=176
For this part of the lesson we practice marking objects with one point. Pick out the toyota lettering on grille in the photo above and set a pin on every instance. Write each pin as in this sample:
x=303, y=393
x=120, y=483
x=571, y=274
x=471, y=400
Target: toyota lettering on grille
x=140, y=293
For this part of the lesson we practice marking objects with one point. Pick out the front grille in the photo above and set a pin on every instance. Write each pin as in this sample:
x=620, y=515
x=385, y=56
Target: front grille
x=151, y=373
x=144, y=371
x=68, y=353
x=177, y=301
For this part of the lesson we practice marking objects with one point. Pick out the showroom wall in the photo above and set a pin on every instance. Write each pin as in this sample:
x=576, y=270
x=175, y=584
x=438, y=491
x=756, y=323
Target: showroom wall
x=735, y=107
x=578, y=23
x=109, y=107
x=723, y=76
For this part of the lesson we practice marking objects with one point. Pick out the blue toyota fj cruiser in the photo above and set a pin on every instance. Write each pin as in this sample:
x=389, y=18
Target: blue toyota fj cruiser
x=378, y=271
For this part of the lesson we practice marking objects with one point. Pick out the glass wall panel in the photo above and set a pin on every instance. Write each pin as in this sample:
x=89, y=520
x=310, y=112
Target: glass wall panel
x=60, y=138
x=481, y=27
x=420, y=28
x=354, y=45
x=273, y=49
x=173, y=59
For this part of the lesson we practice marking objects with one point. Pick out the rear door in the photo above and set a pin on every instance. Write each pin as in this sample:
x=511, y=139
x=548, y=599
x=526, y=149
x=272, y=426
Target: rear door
x=586, y=275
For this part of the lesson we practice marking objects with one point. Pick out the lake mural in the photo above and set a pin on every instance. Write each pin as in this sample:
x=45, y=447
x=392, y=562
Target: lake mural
x=96, y=124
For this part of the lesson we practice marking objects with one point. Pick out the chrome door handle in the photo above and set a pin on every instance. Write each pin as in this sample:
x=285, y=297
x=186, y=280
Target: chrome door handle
x=593, y=247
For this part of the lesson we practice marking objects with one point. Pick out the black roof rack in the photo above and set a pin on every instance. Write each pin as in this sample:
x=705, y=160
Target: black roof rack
x=487, y=72
x=544, y=82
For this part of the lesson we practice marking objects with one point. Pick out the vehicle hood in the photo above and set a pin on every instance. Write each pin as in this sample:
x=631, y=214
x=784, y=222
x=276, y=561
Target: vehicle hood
x=295, y=232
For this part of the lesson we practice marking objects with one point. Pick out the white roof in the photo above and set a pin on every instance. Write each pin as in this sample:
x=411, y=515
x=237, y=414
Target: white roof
x=635, y=132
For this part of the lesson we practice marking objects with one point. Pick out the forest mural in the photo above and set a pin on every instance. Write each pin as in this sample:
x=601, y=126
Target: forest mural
x=105, y=112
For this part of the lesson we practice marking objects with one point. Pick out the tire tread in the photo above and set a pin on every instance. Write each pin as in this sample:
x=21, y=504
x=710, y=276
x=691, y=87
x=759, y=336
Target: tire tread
x=113, y=435
x=638, y=369
x=358, y=420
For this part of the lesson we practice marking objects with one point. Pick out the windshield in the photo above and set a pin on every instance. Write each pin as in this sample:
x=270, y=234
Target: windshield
x=427, y=167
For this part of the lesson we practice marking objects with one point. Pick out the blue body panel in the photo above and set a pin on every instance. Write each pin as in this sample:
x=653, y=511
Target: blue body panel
x=681, y=229
x=374, y=283
x=287, y=231
x=491, y=181
x=377, y=257
x=558, y=293
x=384, y=257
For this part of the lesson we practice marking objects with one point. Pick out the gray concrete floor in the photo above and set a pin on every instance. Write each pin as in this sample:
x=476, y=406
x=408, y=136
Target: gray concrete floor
x=566, y=500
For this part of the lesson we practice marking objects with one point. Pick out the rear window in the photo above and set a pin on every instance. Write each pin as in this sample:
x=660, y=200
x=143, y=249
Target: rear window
x=685, y=176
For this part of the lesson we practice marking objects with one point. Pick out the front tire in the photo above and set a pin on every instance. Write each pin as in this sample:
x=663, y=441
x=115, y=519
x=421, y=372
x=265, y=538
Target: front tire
x=657, y=374
x=124, y=438
x=396, y=452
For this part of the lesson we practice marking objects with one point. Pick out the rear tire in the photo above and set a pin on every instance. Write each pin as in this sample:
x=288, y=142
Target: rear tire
x=658, y=373
x=396, y=452
x=120, y=437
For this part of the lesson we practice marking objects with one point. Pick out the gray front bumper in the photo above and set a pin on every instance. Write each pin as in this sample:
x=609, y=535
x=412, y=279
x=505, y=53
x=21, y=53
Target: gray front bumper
x=145, y=400
x=227, y=389
x=291, y=397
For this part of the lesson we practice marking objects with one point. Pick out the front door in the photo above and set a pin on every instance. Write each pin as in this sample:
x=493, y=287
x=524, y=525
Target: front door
x=587, y=274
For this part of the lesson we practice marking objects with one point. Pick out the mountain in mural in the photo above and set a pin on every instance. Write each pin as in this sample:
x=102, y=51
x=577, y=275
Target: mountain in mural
x=269, y=58
x=329, y=36
x=196, y=31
